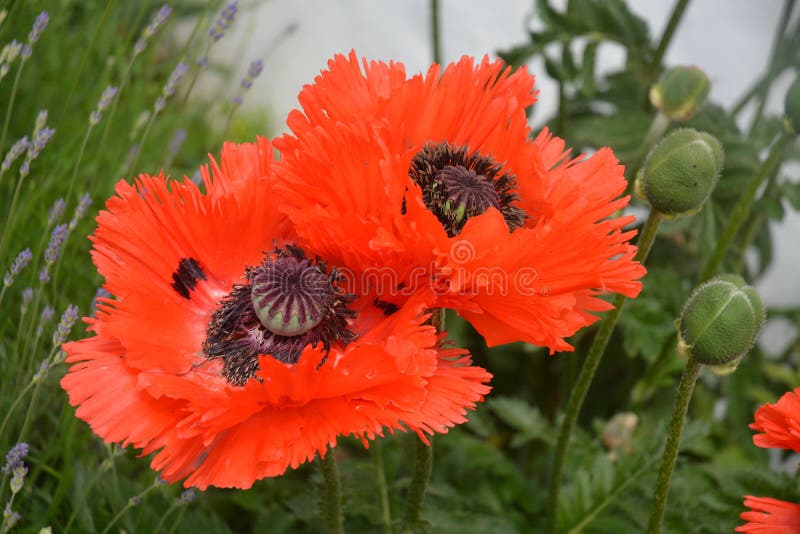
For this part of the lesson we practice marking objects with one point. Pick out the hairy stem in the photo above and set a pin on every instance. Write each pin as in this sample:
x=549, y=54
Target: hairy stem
x=742, y=208
x=688, y=380
x=588, y=371
x=333, y=493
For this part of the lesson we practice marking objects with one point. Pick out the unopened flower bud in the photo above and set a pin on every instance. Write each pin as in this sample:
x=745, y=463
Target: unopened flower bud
x=680, y=92
x=792, y=105
x=720, y=322
x=681, y=171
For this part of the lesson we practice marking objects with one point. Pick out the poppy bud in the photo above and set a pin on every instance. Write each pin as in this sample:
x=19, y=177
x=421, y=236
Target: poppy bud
x=680, y=92
x=720, y=322
x=792, y=105
x=681, y=171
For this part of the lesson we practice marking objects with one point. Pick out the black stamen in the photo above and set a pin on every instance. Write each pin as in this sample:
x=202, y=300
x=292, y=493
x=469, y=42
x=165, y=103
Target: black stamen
x=186, y=276
x=457, y=185
x=289, y=302
x=388, y=308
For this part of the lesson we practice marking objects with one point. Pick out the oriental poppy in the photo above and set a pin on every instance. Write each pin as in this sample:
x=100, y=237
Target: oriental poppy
x=770, y=516
x=438, y=173
x=233, y=352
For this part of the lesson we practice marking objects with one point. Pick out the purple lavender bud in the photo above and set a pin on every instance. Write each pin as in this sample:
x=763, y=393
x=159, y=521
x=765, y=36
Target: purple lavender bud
x=160, y=104
x=150, y=30
x=22, y=260
x=105, y=100
x=175, y=78
x=56, y=211
x=224, y=20
x=27, y=296
x=14, y=457
x=252, y=73
x=101, y=293
x=41, y=374
x=177, y=141
x=202, y=62
x=139, y=47
x=39, y=26
x=47, y=315
x=27, y=51
x=44, y=275
x=68, y=319
x=187, y=496
x=80, y=210
x=18, y=478
x=41, y=121
x=136, y=500
x=237, y=100
x=40, y=141
x=57, y=238
x=10, y=517
x=16, y=151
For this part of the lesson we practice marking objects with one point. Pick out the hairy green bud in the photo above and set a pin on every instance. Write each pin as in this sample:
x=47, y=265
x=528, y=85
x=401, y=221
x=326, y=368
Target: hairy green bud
x=792, y=105
x=720, y=322
x=680, y=92
x=681, y=171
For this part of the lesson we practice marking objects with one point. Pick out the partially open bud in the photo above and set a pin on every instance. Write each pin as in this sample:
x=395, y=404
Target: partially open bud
x=792, y=105
x=681, y=171
x=720, y=322
x=680, y=92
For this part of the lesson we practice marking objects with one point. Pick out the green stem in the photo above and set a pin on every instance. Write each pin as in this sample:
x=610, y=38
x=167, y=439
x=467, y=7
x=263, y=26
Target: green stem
x=772, y=68
x=78, y=162
x=7, y=120
x=383, y=492
x=688, y=380
x=742, y=208
x=132, y=502
x=578, y=395
x=669, y=31
x=423, y=465
x=333, y=493
x=436, y=41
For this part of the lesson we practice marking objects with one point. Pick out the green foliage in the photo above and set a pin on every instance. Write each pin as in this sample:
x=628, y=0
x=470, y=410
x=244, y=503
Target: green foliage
x=491, y=474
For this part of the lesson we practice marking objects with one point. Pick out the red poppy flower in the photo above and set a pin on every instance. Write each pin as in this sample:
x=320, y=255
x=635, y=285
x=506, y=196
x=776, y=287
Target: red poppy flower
x=232, y=353
x=779, y=423
x=770, y=516
x=441, y=177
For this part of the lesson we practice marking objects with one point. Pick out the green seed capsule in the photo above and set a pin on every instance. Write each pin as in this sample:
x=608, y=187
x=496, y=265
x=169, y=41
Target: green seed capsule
x=680, y=92
x=681, y=171
x=720, y=322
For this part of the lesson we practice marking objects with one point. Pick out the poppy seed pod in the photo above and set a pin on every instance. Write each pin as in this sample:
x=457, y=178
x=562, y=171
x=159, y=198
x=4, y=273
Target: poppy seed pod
x=680, y=92
x=720, y=322
x=792, y=105
x=681, y=171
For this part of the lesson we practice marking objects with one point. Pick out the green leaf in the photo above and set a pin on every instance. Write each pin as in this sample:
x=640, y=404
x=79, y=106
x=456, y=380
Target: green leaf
x=524, y=418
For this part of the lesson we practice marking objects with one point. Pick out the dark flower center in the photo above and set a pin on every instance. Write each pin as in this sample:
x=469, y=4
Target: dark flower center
x=457, y=185
x=289, y=302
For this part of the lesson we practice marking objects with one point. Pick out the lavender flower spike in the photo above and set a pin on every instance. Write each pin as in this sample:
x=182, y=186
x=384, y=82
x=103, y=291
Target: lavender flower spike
x=14, y=152
x=171, y=86
x=80, y=211
x=252, y=73
x=68, y=319
x=40, y=140
x=247, y=82
x=105, y=100
x=56, y=211
x=39, y=26
x=150, y=30
x=224, y=20
x=22, y=260
x=57, y=239
x=15, y=456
